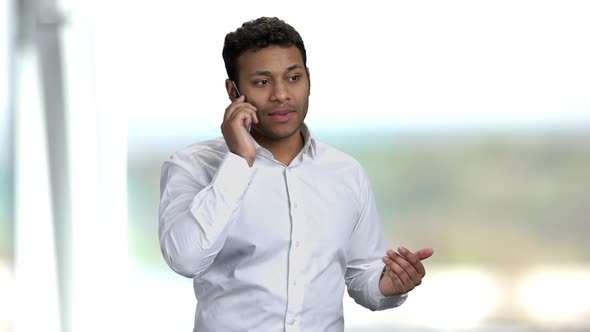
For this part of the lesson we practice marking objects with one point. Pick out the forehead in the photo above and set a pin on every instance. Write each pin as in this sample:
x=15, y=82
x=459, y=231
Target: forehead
x=275, y=59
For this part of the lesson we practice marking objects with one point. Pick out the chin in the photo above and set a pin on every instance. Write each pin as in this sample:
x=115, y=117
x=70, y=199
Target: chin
x=278, y=133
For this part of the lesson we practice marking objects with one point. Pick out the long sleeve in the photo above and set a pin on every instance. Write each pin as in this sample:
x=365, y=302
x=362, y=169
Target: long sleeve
x=367, y=246
x=197, y=206
x=271, y=247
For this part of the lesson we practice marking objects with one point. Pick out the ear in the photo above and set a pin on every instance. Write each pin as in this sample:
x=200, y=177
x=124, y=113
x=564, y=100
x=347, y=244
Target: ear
x=308, y=81
x=231, y=90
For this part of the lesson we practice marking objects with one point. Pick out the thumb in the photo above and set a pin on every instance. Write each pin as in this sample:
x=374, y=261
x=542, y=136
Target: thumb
x=425, y=253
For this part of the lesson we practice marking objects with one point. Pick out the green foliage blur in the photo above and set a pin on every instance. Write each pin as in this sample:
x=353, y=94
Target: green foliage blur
x=488, y=198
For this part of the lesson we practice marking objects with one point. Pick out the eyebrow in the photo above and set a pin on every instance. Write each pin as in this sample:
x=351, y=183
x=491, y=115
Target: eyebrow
x=293, y=67
x=268, y=72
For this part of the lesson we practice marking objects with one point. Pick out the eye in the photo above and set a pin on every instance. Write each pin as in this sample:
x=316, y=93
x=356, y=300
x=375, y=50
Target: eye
x=262, y=82
x=294, y=78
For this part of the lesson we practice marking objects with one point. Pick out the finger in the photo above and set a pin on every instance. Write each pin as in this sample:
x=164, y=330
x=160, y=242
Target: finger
x=414, y=259
x=232, y=109
x=255, y=116
x=402, y=260
x=398, y=271
x=410, y=269
x=241, y=113
x=233, y=106
x=238, y=104
x=422, y=254
x=252, y=118
x=425, y=253
x=398, y=285
x=245, y=115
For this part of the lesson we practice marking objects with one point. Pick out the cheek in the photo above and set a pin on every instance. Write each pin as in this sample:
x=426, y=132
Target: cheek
x=303, y=99
x=257, y=100
x=300, y=93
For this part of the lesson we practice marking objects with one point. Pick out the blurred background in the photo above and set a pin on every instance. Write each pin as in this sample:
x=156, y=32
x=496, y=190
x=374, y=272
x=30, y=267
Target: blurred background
x=472, y=119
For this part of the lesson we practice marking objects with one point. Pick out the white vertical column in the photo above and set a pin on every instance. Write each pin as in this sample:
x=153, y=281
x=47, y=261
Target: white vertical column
x=6, y=98
x=37, y=305
x=98, y=127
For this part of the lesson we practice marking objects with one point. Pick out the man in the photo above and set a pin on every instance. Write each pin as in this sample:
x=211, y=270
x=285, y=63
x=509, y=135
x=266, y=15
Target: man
x=270, y=223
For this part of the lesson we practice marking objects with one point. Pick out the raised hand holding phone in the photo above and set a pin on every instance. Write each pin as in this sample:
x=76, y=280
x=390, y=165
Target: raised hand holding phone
x=238, y=117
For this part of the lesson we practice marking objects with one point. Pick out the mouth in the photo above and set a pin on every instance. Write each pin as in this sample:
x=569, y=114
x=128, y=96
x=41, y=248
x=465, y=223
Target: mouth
x=281, y=111
x=281, y=114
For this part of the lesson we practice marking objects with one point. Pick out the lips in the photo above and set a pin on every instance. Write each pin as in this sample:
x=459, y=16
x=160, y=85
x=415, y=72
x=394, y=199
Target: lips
x=281, y=115
x=281, y=112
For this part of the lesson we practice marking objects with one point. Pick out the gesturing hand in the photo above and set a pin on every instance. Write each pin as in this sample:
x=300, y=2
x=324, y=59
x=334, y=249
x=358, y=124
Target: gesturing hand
x=404, y=270
x=235, y=121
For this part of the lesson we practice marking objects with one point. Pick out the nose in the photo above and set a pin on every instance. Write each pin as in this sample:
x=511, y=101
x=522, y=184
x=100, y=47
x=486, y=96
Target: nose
x=280, y=92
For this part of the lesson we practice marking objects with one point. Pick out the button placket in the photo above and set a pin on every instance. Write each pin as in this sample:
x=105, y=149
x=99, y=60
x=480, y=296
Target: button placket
x=296, y=256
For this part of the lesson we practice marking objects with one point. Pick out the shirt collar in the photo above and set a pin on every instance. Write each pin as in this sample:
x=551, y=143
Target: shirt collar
x=309, y=144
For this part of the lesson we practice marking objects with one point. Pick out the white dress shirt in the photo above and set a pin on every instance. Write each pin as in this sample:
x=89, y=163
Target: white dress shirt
x=271, y=247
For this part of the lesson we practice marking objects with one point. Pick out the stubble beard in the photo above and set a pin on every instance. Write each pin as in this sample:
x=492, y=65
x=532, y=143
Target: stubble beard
x=266, y=133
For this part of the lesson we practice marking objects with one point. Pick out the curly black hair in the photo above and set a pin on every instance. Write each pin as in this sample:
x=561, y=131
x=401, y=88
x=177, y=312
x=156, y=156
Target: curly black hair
x=257, y=34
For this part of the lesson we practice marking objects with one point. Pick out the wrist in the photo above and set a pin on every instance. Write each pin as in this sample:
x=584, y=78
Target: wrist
x=382, y=281
x=382, y=273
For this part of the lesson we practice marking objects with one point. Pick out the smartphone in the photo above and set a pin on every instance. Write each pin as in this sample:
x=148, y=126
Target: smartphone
x=238, y=94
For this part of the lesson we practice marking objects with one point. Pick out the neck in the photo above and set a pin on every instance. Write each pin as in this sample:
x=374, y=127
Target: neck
x=283, y=150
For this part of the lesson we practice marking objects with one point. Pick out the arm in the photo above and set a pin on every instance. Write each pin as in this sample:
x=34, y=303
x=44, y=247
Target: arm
x=364, y=264
x=195, y=215
x=195, y=212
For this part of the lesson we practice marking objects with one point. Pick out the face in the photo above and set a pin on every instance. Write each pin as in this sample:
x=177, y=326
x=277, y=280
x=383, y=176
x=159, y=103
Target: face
x=275, y=80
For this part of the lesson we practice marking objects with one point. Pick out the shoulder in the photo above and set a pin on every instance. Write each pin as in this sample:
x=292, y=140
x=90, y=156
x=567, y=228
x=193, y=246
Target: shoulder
x=198, y=155
x=342, y=165
x=343, y=174
x=333, y=156
x=203, y=148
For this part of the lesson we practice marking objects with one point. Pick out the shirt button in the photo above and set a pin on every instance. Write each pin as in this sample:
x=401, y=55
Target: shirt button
x=296, y=244
x=291, y=321
x=295, y=205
